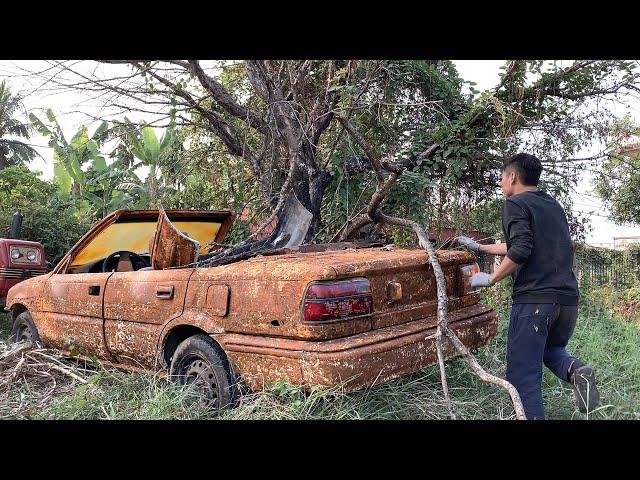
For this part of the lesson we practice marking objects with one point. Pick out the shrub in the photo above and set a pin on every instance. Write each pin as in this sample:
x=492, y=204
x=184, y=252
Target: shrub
x=48, y=219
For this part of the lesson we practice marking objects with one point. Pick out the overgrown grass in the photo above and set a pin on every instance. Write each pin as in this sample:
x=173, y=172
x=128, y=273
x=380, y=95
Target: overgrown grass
x=5, y=326
x=607, y=343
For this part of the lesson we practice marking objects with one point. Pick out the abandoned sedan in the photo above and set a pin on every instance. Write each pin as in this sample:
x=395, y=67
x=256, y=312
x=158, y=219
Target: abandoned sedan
x=137, y=292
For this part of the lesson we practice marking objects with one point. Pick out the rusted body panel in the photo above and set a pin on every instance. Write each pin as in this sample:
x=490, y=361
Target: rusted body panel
x=358, y=361
x=268, y=289
x=171, y=248
x=254, y=310
x=136, y=307
x=72, y=304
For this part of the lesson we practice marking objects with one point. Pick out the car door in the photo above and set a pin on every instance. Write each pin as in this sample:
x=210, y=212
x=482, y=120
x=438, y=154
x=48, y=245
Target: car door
x=136, y=305
x=74, y=301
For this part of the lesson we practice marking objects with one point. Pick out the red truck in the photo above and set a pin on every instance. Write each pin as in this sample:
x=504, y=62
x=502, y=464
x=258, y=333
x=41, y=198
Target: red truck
x=19, y=259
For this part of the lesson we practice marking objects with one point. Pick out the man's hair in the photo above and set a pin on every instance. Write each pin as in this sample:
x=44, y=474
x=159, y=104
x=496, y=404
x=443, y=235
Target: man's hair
x=527, y=167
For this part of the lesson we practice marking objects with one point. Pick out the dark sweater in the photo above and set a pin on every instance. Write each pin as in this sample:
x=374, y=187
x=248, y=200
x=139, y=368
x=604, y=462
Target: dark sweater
x=537, y=235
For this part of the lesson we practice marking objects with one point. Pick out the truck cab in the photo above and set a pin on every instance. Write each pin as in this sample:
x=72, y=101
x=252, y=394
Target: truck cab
x=19, y=260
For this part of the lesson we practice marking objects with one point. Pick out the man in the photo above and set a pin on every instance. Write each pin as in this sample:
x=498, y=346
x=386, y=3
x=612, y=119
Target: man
x=539, y=257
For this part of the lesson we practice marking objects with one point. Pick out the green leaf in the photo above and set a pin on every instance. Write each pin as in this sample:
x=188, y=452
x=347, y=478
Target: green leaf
x=167, y=139
x=99, y=131
x=99, y=164
x=80, y=139
x=73, y=167
x=151, y=144
x=51, y=116
x=62, y=178
x=41, y=127
x=94, y=199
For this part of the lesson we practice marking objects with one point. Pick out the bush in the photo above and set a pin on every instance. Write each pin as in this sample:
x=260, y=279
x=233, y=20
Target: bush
x=624, y=304
x=48, y=219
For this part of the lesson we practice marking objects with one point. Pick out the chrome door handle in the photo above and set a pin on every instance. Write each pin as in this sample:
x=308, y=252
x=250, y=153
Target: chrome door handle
x=165, y=292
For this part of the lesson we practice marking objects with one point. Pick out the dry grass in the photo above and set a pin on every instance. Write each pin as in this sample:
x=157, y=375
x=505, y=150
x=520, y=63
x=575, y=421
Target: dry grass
x=32, y=376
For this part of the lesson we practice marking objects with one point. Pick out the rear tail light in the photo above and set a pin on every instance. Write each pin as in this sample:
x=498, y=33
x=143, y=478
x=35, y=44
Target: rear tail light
x=327, y=301
x=466, y=272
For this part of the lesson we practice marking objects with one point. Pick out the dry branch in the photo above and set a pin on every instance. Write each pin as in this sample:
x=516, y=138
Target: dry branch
x=30, y=376
x=374, y=215
x=443, y=325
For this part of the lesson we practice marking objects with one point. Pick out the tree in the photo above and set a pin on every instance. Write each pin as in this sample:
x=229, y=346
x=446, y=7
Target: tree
x=292, y=122
x=13, y=151
x=307, y=125
x=70, y=157
x=157, y=155
x=80, y=170
x=617, y=180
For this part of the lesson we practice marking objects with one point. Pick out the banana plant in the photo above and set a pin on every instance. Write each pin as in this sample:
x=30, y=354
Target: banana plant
x=69, y=157
x=102, y=187
x=154, y=154
x=94, y=185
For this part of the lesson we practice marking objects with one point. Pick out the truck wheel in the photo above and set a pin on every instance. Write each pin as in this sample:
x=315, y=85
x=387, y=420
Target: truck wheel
x=200, y=363
x=24, y=330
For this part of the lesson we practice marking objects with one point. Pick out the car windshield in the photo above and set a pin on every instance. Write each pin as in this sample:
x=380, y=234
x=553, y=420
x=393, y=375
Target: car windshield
x=134, y=234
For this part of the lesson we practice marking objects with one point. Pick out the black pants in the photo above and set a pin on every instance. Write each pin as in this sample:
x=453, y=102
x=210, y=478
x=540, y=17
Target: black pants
x=538, y=332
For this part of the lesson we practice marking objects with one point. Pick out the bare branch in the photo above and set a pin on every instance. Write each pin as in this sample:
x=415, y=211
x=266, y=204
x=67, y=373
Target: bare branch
x=225, y=100
x=368, y=150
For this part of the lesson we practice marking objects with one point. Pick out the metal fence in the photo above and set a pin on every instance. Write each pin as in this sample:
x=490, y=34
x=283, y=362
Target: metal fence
x=595, y=266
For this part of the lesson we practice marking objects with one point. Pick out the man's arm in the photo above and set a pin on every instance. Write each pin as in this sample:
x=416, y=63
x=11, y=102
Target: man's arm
x=506, y=268
x=518, y=229
x=494, y=249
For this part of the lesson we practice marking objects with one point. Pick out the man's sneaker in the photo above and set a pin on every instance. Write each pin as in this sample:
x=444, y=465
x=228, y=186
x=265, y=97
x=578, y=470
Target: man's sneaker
x=585, y=392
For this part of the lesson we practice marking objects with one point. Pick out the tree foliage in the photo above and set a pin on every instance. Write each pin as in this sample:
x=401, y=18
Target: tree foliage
x=160, y=156
x=313, y=127
x=617, y=180
x=50, y=219
x=82, y=173
x=13, y=151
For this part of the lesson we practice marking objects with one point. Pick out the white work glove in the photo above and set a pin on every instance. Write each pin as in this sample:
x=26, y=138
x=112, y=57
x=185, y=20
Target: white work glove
x=480, y=279
x=468, y=242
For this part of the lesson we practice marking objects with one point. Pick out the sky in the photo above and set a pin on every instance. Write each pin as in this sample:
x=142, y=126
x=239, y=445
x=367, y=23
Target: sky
x=73, y=109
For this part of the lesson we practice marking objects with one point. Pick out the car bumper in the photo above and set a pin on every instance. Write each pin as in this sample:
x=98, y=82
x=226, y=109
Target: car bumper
x=358, y=361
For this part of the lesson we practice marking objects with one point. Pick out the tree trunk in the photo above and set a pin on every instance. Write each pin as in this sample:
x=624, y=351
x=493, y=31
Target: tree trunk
x=309, y=190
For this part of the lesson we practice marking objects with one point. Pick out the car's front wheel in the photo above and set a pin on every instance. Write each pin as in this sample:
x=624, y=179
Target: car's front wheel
x=24, y=330
x=200, y=364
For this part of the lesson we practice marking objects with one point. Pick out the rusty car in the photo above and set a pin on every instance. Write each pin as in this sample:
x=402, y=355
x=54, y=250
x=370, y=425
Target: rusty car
x=136, y=293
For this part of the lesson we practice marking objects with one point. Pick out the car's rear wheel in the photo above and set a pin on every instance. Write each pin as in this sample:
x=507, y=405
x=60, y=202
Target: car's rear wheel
x=24, y=330
x=200, y=364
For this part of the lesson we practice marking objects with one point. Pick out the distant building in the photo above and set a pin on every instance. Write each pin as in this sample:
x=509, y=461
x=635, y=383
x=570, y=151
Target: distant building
x=623, y=243
x=601, y=244
x=629, y=146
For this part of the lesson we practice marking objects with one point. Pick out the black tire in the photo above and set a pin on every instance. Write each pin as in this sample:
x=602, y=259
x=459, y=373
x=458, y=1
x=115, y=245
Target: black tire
x=199, y=361
x=25, y=330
